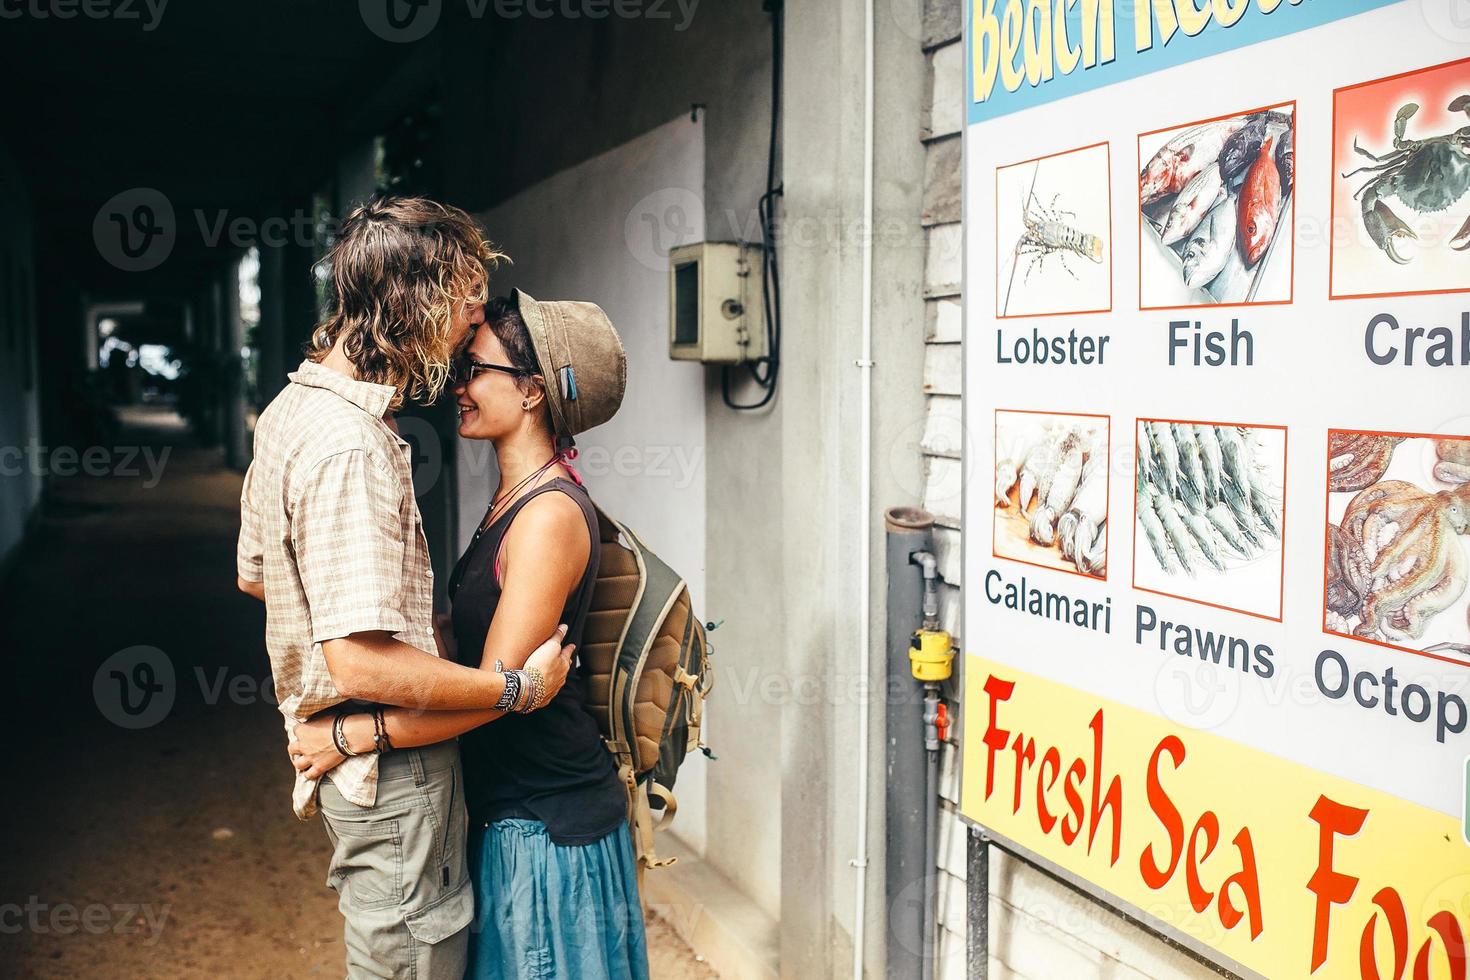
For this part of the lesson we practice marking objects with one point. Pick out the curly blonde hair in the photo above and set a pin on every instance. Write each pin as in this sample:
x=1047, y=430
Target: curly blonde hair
x=399, y=266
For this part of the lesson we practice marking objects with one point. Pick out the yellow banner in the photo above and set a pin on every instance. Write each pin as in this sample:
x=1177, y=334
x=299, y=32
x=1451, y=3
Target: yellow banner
x=1285, y=870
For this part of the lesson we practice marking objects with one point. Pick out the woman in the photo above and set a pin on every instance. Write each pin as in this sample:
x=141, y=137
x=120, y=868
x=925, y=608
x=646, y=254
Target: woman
x=550, y=852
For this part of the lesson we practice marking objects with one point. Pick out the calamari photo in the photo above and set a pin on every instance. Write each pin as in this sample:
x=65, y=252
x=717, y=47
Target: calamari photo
x=1051, y=490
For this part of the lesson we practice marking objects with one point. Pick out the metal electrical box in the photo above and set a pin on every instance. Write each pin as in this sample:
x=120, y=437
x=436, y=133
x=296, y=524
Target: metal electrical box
x=716, y=309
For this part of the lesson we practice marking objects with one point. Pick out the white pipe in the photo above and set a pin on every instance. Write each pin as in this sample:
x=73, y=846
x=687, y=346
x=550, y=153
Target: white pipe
x=865, y=495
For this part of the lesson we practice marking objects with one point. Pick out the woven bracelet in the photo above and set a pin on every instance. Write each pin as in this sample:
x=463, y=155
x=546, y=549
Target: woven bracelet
x=512, y=692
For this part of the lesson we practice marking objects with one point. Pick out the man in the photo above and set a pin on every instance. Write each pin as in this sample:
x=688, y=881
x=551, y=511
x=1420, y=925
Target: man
x=331, y=540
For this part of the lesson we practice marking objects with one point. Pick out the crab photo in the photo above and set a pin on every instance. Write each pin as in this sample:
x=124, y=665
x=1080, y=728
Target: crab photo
x=1401, y=185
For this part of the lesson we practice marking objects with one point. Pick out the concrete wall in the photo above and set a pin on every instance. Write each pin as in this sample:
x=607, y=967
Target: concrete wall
x=20, y=481
x=582, y=90
x=646, y=465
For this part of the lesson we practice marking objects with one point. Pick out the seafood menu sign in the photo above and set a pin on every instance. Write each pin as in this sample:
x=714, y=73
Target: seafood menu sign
x=1217, y=503
x=1026, y=52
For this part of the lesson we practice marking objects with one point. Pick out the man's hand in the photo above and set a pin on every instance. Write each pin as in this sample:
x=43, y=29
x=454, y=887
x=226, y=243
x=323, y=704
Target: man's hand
x=553, y=661
x=312, y=750
x=253, y=589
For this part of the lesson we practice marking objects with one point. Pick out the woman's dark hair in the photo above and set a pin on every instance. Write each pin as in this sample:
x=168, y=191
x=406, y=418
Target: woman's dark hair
x=503, y=318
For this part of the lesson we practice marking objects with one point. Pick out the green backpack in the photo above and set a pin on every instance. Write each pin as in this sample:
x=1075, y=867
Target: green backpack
x=646, y=659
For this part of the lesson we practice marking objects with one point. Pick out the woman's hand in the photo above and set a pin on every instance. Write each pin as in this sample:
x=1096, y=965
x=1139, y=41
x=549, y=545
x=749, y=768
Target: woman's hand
x=553, y=661
x=312, y=750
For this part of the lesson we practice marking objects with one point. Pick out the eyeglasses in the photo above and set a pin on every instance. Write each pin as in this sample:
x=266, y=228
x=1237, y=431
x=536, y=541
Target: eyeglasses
x=464, y=369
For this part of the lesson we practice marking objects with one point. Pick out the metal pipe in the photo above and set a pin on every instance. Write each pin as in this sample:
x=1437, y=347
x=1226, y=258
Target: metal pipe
x=977, y=911
x=865, y=494
x=909, y=534
x=931, y=824
x=930, y=565
x=932, y=739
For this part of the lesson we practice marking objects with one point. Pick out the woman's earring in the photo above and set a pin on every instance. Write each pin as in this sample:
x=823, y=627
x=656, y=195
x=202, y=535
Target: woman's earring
x=525, y=404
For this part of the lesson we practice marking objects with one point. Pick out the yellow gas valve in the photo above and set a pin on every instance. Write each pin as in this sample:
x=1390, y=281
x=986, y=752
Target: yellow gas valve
x=931, y=655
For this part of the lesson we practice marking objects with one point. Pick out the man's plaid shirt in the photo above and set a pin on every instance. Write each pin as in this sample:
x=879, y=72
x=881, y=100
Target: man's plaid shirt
x=330, y=524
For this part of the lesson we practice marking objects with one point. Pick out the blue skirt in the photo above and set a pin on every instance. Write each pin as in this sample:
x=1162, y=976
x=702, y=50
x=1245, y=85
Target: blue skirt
x=544, y=910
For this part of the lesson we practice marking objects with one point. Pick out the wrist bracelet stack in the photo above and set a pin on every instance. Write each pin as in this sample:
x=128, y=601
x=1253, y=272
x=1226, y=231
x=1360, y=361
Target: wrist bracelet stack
x=525, y=691
x=381, y=741
x=339, y=738
x=511, y=696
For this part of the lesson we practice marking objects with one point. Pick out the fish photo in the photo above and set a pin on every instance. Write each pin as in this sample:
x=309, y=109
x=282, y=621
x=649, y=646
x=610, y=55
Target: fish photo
x=1051, y=490
x=1054, y=235
x=1401, y=184
x=1216, y=211
x=1209, y=513
x=1397, y=552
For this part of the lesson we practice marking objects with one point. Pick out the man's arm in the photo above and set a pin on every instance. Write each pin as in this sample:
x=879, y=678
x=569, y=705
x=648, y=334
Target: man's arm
x=254, y=589
x=349, y=541
x=313, y=750
x=249, y=557
x=374, y=666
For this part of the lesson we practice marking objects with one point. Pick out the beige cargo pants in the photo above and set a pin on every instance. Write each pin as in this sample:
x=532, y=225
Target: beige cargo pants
x=399, y=868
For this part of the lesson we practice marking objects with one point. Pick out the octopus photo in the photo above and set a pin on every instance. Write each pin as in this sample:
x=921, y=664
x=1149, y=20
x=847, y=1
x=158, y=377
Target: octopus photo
x=1454, y=460
x=1416, y=565
x=1347, y=578
x=1357, y=460
x=1463, y=649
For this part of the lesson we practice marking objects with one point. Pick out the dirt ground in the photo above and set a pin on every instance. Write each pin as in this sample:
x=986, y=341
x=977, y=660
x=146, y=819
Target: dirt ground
x=171, y=850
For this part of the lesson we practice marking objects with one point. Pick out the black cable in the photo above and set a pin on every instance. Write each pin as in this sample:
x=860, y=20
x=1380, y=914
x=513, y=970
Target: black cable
x=764, y=370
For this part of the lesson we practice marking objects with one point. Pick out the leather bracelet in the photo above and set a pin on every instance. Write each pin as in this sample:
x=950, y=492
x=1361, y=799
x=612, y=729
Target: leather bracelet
x=381, y=742
x=339, y=738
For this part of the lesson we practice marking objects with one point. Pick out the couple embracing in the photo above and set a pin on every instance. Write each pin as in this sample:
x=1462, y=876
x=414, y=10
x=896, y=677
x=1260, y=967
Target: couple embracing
x=477, y=823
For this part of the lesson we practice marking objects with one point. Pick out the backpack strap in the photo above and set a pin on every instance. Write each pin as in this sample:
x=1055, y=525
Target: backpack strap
x=640, y=816
x=644, y=828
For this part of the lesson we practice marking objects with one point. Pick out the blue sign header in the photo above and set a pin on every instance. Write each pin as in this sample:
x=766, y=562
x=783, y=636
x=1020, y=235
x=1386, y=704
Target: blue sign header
x=1025, y=53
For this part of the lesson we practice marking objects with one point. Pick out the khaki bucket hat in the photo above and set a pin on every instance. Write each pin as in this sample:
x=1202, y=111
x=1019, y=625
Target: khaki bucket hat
x=580, y=356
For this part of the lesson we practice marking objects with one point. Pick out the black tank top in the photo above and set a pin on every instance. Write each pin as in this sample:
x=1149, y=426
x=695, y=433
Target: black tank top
x=550, y=765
